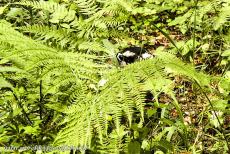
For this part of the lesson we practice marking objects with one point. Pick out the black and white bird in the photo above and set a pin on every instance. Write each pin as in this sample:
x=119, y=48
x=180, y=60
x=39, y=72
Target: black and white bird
x=131, y=54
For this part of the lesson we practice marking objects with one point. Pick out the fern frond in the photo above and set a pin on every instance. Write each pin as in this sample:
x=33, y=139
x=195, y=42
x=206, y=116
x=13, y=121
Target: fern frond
x=223, y=17
x=87, y=7
x=75, y=66
x=122, y=95
x=104, y=22
x=61, y=36
x=4, y=83
x=177, y=67
x=44, y=5
x=59, y=11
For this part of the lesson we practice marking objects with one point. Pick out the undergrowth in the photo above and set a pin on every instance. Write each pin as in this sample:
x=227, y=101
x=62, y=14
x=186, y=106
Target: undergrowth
x=61, y=84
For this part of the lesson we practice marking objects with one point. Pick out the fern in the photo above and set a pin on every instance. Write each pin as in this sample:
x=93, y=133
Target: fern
x=122, y=95
x=59, y=11
x=75, y=66
x=87, y=7
x=102, y=21
x=97, y=112
x=60, y=36
x=204, y=11
x=104, y=101
x=223, y=16
x=4, y=83
x=45, y=5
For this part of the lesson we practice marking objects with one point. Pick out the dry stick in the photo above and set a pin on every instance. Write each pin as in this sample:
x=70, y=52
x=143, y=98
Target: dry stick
x=221, y=129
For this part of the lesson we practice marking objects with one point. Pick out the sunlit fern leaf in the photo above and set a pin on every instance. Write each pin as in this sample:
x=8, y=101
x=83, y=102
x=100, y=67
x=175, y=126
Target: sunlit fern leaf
x=93, y=46
x=4, y=83
x=44, y=5
x=121, y=96
x=101, y=23
x=63, y=37
x=61, y=67
x=223, y=17
x=177, y=67
x=59, y=11
x=87, y=7
x=9, y=69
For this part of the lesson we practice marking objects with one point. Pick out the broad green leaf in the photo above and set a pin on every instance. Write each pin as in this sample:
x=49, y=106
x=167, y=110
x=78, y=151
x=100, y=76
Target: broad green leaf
x=165, y=145
x=226, y=53
x=3, y=61
x=65, y=25
x=151, y=112
x=70, y=16
x=57, y=106
x=145, y=145
x=159, y=152
x=16, y=111
x=134, y=147
x=220, y=104
x=14, y=12
x=2, y=9
x=171, y=130
x=31, y=130
x=213, y=119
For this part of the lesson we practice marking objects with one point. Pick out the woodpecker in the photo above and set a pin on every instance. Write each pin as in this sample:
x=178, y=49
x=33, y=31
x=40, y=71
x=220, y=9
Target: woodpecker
x=131, y=54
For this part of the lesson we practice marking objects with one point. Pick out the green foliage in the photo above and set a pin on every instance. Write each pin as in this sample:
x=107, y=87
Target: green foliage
x=60, y=83
x=122, y=96
x=93, y=21
x=58, y=12
x=40, y=66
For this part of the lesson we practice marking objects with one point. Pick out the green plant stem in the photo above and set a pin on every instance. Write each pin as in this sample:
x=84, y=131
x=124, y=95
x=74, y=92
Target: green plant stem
x=40, y=100
x=221, y=129
x=40, y=95
x=167, y=36
x=225, y=69
x=170, y=39
x=23, y=111
x=194, y=32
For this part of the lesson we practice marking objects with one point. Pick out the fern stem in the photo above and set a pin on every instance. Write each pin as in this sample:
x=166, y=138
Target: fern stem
x=23, y=111
x=225, y=69
x=220, y=126
x=185, y=134
x=194, y=32
x=31, y=16
x=40, y=100
x=169, y=38
x=41, y=96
